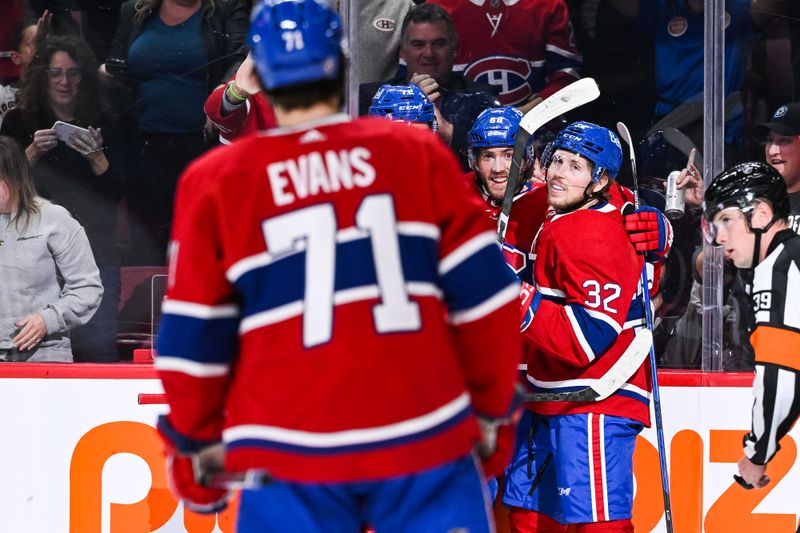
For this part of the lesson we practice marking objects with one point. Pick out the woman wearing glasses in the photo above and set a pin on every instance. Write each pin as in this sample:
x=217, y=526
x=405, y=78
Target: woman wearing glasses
x=73, y=167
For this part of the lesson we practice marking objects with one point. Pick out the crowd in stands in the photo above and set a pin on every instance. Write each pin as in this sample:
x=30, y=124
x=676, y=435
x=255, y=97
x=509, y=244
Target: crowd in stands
x=110, y=100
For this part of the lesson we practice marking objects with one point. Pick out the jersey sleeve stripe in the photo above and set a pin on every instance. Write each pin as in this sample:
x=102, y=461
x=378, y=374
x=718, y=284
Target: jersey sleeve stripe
x=201, y=311
x=466, y=250
x=594, y=334
x=455, y=409
x=557, y=50
x=190, y=368
x=774, y=345
x=499, y=299
x=547, y=291
x=195, y=339
x=418, y=229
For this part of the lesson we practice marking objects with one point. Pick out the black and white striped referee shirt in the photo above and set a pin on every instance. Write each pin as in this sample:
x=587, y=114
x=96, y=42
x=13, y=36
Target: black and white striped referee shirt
x=776, y=340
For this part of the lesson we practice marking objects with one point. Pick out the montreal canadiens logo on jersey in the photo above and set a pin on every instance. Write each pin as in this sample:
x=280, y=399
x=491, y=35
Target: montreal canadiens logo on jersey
x=510, y=74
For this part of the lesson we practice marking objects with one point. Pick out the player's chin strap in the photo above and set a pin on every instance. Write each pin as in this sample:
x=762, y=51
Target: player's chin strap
x=758, y=232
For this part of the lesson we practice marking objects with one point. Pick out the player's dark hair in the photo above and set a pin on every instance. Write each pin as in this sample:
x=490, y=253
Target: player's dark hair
x=431, y=14
x=307, y=94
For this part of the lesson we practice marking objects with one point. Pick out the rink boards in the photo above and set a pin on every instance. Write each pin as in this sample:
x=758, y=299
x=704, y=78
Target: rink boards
x=80, y=455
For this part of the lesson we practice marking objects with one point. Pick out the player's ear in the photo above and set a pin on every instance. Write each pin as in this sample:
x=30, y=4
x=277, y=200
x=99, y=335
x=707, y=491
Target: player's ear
x=16, y=58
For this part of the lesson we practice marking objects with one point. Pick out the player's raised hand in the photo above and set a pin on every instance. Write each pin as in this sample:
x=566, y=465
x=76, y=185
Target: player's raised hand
x=649, y=231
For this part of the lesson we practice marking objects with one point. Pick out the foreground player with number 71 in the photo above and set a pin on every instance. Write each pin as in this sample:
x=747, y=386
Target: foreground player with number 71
x=334, y=293
x=573, y=461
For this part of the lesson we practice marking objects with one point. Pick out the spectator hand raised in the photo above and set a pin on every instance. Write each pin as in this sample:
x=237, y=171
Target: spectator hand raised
x=431, y=88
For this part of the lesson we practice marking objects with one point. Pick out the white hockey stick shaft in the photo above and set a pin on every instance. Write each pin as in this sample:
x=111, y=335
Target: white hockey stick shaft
x=573, y=95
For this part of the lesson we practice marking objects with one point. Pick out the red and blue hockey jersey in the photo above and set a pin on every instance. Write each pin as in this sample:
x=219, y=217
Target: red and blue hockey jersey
x=338, y=307
x=587, y=274
x=527, y=214
x=525, y=48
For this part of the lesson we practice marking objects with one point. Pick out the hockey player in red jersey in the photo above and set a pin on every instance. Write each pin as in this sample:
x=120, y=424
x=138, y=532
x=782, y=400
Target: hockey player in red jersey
x=525, y=48
x=329, y=311
x=491, y=145
x=573, y=463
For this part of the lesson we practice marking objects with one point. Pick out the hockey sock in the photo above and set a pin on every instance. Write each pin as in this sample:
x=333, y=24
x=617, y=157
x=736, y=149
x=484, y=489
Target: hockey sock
x=525, y=521
x=613, y=526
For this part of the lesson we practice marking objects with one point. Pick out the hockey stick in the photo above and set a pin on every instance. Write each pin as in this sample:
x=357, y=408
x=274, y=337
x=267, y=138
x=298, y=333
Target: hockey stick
x=616, y=376
x=252, y=479
x=684, y=144
x=573, y=95
x=687, y=112
x=626, y=136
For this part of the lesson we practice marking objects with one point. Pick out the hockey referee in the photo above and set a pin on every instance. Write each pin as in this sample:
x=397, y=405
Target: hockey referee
x=747, y=208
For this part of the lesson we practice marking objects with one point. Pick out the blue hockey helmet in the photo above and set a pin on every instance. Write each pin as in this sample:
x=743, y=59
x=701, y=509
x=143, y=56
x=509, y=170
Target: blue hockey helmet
x=599, y=145
x=496, y=127
x=403, y=103
x=295, y=42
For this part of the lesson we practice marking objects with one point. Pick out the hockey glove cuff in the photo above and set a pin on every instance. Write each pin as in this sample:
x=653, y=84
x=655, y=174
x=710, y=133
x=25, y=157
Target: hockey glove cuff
x=529, y=300
x=188, y=460
x=650, y=232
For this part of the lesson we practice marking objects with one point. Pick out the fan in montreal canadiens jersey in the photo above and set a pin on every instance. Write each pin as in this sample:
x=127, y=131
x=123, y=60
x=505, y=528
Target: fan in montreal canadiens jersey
x=524, y=48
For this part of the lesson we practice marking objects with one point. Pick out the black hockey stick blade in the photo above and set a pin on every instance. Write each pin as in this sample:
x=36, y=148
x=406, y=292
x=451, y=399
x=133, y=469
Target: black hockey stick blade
x=616, y=376
x=684, y=144
x=512, y=184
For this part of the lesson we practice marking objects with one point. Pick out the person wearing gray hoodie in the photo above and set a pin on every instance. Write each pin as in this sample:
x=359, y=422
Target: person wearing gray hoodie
x=49, y=282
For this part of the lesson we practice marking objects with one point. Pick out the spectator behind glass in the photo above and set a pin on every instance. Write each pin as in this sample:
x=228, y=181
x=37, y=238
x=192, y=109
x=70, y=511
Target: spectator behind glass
x=525, y=49
x=782, y=152
x=428, y=46
x=177, y=52
x=62, y=85
x=49, y=282
x=23, y=43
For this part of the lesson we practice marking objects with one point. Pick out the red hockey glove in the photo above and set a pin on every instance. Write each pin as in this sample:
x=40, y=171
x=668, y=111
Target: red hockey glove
x=529, y=301
x=495, y=463
x=187, y=459
x=650, y=232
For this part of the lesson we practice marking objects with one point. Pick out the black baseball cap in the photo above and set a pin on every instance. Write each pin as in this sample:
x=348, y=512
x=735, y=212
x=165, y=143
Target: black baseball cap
x=785, y=121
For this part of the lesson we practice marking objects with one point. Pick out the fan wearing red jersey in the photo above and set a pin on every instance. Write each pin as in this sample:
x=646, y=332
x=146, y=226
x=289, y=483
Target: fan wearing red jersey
x=239, y=107
x=587, y=273
x=329, y=311
x=525, y=48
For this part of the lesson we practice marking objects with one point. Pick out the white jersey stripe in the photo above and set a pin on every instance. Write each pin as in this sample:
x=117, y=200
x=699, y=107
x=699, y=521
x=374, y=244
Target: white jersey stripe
x=592, y=472
x=346, y=296
x=202, y=311
x=587, y=349
x=603, y=476
x=467, y=249
x=352, y=436
x=489, y=305
x=191, y=368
